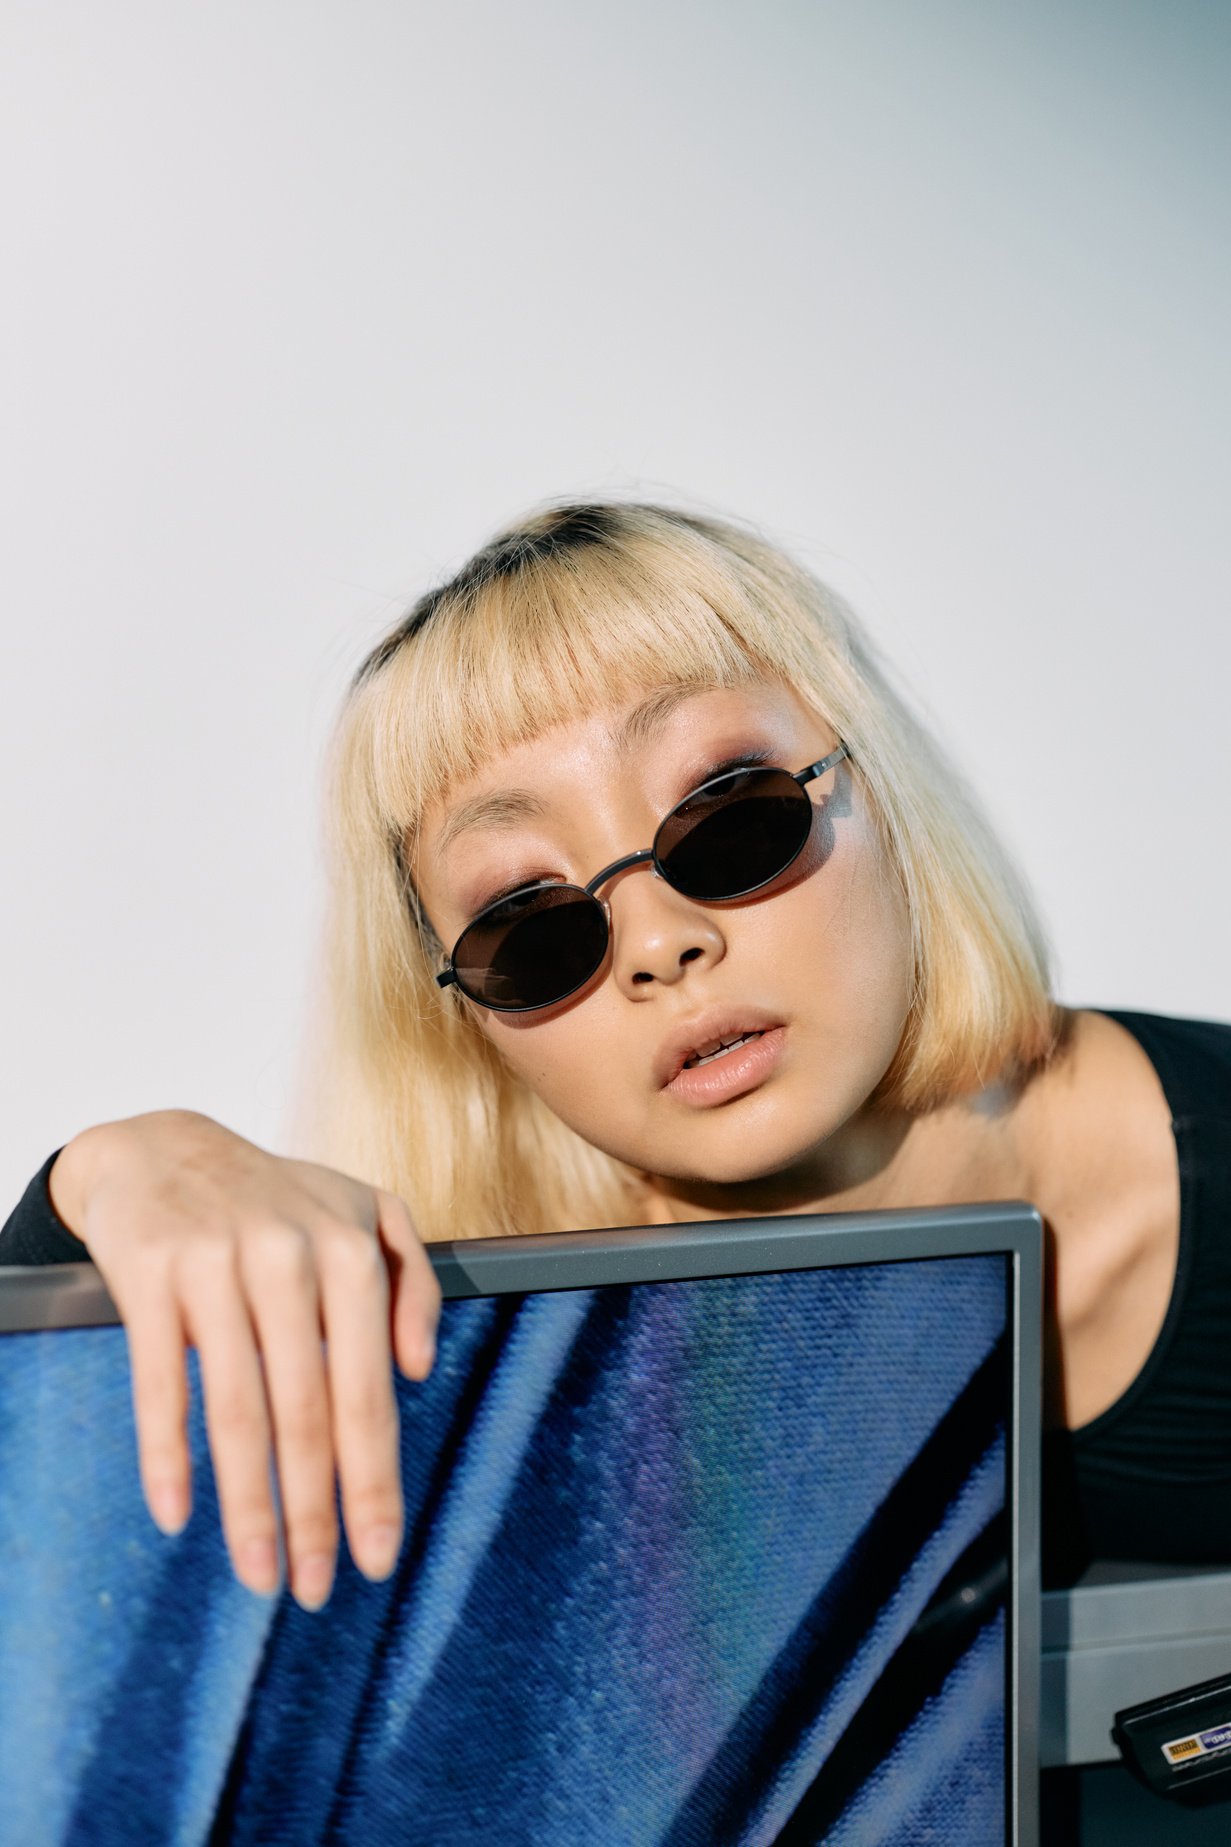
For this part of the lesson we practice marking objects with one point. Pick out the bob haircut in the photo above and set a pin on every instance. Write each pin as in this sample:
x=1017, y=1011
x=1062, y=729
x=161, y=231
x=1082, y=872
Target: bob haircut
x=577, y=607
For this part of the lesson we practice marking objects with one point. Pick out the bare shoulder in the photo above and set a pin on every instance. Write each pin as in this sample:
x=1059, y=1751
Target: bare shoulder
x=1103, y=1168
x=1097, y=1118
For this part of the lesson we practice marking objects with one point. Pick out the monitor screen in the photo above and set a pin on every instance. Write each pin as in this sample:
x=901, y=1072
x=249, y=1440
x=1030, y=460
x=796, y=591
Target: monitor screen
x=710, y=1560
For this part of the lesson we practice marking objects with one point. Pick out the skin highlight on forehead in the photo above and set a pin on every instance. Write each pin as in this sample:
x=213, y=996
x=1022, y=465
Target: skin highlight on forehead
x=509, y=807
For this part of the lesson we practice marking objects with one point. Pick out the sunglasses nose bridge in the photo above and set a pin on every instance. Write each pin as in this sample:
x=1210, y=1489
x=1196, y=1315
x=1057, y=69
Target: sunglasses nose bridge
x=609, y=872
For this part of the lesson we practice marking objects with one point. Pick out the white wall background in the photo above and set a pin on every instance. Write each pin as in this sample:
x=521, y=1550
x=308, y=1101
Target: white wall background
x=301, y=300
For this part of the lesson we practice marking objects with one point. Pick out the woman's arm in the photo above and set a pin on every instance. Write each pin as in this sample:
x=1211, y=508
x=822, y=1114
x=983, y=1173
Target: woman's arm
x=298, y=1286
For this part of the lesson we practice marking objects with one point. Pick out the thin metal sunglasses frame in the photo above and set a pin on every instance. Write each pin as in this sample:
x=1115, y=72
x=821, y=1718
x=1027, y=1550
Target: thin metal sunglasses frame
x=801, y=777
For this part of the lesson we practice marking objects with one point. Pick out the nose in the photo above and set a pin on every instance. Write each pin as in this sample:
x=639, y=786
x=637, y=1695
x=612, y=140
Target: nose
x=658, y=931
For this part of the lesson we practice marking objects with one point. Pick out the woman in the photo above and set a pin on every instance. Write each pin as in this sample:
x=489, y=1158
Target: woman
x=497, y=1054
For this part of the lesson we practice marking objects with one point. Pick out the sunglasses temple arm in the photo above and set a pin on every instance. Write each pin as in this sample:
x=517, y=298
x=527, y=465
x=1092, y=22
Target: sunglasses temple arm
x=826, y=763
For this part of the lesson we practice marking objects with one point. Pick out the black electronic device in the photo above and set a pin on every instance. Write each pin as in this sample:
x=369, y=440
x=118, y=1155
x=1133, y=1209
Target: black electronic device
x=1180, y=1744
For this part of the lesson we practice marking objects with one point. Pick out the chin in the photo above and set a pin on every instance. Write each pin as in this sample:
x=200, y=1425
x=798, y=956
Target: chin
x=763, y=1147
x=735, y=1167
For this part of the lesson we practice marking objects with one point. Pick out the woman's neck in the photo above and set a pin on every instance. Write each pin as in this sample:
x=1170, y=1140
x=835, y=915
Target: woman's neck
x=999, y=1144
x=975, y=1149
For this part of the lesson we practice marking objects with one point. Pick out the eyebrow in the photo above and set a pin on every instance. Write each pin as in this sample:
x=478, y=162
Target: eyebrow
x=646, y=720
x=508, y=807
x=503, y=808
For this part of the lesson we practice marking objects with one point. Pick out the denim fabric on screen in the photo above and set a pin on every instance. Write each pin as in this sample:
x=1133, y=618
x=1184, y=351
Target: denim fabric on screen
x=665, y=1548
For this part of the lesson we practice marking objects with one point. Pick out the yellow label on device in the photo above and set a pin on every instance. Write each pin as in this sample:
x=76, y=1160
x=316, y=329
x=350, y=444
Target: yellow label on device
x=1198, y=1744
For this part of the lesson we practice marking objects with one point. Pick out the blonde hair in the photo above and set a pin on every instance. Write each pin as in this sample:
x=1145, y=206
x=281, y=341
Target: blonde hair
x=577, y=608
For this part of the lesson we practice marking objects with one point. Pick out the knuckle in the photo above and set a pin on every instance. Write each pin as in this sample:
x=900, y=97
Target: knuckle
x=302, y=1418
x=160, y=1391
x=248, y=1507
x=280, y=1250
x=367, y=1402
x=253, y=1529
x=238, y=1419
x=205, y=1256
x=162, y=1461
x=160, y=1428
x=350, y=1248
x=154, y=1243
x=248, y=1513
x=374, y=1504
x=312, y=1529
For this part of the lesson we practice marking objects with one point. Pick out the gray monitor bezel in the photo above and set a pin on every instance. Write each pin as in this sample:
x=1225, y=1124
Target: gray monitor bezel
x=74, y=1295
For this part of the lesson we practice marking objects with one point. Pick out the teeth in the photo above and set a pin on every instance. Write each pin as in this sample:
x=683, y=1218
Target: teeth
x=704, y=1054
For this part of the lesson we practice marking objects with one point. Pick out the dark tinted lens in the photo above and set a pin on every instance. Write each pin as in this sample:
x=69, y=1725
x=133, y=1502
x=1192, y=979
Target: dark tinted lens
x=532, y=948
x=737, y=833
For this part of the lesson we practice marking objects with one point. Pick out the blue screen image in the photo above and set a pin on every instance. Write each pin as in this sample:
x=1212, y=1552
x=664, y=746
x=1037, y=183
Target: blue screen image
x=672, y=1556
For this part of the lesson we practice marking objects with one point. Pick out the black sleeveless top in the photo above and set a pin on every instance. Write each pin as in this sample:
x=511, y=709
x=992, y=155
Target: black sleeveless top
x=1148, y=1479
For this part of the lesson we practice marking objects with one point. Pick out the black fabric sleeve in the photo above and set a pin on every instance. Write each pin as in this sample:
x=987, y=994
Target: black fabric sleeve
x=34, y=1232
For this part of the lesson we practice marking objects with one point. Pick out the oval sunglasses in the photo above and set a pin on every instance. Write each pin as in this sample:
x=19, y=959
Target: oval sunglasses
x=729, y=837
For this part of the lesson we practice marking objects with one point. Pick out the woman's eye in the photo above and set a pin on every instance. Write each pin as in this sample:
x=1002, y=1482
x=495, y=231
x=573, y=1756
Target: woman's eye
x=751, y=760
x=500, y=892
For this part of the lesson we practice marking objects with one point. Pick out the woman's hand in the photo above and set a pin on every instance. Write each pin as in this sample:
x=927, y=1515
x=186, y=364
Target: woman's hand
x=202, y=1237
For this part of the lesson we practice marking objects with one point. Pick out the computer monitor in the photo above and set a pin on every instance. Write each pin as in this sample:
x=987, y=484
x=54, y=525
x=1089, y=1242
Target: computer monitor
x=715, y=1535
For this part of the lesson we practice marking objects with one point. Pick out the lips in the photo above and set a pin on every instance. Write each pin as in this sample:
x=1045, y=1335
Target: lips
x=705, y=1031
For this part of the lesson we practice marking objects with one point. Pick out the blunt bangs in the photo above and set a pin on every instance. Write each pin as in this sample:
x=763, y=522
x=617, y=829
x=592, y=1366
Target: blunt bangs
x=553, y=637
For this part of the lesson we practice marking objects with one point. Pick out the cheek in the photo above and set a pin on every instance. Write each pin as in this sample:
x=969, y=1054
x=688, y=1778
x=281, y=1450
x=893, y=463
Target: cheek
x=567, y=1062
x=879, y=962
x=875, y=930
x=846, y=929
x=592, y=1078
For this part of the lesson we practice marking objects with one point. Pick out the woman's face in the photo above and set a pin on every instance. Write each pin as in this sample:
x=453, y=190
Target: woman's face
x=822, y=954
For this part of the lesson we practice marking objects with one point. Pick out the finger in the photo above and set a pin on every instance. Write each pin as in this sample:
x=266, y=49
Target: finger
x=158, y=1362
x=237, y=1419
x=355, y=1311
x=281, y=1284
x=415, y=1290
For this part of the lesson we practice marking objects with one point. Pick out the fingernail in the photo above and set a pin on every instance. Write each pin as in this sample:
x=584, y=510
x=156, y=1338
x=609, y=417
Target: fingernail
x=313, y=1580
x=169, y=1506
x=258, y=1560
x=378, y=1551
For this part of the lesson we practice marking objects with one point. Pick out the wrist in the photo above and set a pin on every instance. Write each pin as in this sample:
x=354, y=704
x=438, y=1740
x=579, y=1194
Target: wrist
x=71, y=1176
